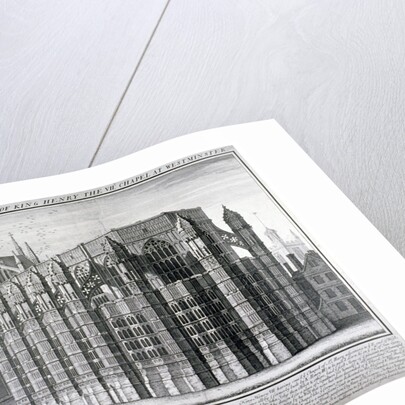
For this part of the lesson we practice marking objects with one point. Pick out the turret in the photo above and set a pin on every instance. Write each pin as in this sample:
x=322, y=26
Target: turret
x=112, y=246
x=17, y=247
x=18, y=262
x=31, y=254
x=234, y=219
x=184, y=227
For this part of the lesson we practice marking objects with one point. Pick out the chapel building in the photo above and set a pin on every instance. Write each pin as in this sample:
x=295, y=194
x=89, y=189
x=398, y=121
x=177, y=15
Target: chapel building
x=161, y=307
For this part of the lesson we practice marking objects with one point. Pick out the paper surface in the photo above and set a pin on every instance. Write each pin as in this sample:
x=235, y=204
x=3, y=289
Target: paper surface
x=267, y=177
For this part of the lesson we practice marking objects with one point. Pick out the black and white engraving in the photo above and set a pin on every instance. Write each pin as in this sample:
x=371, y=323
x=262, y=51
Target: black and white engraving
x=188, y=282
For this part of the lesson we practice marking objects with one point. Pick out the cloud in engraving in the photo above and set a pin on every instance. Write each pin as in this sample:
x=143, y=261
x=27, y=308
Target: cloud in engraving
x=208, y=184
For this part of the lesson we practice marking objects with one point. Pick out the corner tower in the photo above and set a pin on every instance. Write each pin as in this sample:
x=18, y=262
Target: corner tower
x=246, y=233
x=310, y=322
x=17, y=248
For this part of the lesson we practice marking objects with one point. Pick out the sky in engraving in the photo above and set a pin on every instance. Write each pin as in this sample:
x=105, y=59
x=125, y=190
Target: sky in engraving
x=207, y=184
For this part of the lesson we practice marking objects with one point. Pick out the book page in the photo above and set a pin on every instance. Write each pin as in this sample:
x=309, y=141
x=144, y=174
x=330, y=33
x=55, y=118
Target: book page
x=200, y=271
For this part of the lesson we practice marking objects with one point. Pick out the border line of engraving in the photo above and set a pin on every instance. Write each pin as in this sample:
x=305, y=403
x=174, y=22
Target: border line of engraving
x=230, y=150
x=329, y=355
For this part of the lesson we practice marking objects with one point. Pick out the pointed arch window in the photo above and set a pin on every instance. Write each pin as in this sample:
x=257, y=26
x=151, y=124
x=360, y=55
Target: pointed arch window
x=140, y=318
x=191, y=302
x=121, y=323
x=212, y=295
x=167, y=251
x=131, y=320
x=139, y=331
x=183, y=305
x=82, y=272
x=162, y=351
x=168, y=264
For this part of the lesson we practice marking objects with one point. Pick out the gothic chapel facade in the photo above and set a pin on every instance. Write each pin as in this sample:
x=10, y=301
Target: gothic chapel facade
x=158, y=308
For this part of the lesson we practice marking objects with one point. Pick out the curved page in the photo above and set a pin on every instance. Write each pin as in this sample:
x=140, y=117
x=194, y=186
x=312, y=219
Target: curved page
x=191, y=281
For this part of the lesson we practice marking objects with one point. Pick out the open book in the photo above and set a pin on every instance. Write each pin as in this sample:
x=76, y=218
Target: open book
x=218, y=268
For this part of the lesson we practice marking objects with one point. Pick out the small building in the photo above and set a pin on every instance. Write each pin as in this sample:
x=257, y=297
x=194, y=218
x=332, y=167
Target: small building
x=328, y=293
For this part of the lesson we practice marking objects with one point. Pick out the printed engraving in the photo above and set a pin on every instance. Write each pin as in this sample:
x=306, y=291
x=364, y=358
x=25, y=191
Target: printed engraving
x=169, y=305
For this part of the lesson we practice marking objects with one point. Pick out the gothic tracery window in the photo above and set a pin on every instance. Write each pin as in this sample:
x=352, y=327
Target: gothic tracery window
x=166, y=261
x=82, y=272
